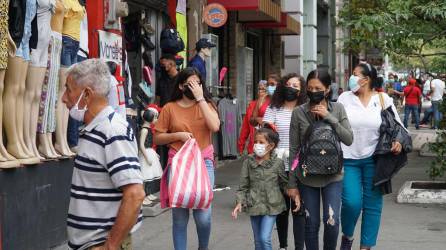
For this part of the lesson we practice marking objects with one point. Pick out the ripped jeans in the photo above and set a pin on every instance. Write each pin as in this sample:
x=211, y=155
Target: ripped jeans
x=331, y=202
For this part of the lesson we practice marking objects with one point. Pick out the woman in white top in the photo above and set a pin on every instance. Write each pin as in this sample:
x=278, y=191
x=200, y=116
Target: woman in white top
x=290, y=92
x=363, y=108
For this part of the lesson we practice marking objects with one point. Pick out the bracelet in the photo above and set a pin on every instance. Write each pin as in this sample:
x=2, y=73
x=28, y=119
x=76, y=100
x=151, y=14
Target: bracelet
x=200, y=100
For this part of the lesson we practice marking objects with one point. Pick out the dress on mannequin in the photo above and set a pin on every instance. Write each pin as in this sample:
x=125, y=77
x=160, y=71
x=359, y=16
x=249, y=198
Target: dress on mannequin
x=36, y=73
x=15, y=83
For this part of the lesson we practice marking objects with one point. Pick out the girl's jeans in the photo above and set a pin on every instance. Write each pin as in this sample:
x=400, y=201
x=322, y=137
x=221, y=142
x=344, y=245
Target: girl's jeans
x=202, y=217
x=359, y=196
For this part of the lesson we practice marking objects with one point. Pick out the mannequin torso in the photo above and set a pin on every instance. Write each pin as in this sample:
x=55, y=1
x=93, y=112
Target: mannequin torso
x=57, y=18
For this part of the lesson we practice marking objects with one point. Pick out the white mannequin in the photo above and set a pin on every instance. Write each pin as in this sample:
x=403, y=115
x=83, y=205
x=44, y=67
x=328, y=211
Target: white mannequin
x=62, y=114
x=205, y=52
x=149, y=159
x=6, y=160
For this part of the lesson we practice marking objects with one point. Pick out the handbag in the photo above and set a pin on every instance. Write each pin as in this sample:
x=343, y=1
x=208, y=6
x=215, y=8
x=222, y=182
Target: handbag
x=426, y=103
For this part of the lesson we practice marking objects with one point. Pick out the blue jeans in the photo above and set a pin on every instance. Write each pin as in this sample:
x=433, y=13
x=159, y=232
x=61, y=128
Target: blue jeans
x=73, y=132
x=360, y=196
x=70, y=47
x=427, y=115
x=262, y=227
x=331, y=206
x=414, y=109
x=437, y=113
x=202, y=217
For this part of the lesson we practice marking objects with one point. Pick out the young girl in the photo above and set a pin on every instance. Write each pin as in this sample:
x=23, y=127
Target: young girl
x=261, y=181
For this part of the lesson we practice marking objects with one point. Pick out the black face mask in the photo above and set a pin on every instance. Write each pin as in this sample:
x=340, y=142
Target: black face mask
x=188, y=93
x=316, y=97
x=290, y=94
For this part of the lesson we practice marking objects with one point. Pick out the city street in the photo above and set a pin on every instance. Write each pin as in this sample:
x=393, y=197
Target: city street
x=404, y=226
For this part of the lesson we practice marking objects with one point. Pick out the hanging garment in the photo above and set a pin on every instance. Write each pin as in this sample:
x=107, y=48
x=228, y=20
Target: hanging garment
x=152, y=170
x=39, y=56
x=230, y=116
x=4, y=34
x=23, y=49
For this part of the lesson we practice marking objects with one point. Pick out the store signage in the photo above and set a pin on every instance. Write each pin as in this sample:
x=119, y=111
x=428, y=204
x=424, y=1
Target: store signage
x=110, y=47
x=215, y=15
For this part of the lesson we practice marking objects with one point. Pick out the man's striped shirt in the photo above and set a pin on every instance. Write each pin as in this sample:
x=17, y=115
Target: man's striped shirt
x=107, y=160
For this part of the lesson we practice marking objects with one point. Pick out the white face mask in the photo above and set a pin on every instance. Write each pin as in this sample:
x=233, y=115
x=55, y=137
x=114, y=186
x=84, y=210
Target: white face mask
x=353, y=83
x=260, y=149
x=76, y=113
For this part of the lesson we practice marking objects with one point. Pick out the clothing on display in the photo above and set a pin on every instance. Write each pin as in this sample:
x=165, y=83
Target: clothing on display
x=4, y=34
x=83, y=42
x=16, y=21
x=70, y=47
x=74, y=14
x=23, y=50
x=198, y=63
x=39, y=56
x=230, y=116
x=50, y=88
x=151, y=171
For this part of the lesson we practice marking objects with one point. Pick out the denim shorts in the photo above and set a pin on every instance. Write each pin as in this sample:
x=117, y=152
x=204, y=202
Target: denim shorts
x=70, y=47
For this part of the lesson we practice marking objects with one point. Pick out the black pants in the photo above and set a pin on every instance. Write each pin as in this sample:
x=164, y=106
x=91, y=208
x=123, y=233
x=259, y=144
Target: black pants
x=298, y=225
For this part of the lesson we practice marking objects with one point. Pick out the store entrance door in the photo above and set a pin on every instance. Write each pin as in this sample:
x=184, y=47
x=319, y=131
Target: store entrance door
x=255, y=41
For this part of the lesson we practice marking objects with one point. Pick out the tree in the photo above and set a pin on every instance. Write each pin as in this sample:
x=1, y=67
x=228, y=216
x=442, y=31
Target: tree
x=400, y=28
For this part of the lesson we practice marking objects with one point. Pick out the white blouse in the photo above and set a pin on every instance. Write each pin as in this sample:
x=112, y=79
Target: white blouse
x=365, y=123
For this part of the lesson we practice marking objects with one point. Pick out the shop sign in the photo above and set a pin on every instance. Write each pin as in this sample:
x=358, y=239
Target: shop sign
x=215, y=15
x=110, y=47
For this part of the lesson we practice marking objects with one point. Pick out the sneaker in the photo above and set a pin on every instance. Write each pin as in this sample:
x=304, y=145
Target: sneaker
x=346, y=244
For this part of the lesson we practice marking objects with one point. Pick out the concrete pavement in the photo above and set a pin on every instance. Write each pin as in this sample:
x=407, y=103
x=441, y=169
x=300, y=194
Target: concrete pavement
x=404, y=226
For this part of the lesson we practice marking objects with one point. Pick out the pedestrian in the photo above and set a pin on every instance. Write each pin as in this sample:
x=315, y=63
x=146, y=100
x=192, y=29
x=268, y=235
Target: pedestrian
x=428, y=110
x=363, y=108
x=262, y=182
x=247, y=131
x=106, y=189
x=167, y=79
x=311, y=188
x=289, y=94
x=437, y=92
x=264, y=100
x=412, y=95
x=190, y=113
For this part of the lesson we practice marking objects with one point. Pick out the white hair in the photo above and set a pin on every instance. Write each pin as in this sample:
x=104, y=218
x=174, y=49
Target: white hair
x=93, y=73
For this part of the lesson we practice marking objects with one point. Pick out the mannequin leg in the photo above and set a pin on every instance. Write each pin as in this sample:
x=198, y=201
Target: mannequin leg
x=34, y=82
x=61, y=144
x=49, y=137
x=20, y=102
x=10, y=109
x=46, y=146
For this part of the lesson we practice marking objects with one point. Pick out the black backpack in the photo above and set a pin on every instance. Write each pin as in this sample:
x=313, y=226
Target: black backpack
x=321, y=152
x=171, y=42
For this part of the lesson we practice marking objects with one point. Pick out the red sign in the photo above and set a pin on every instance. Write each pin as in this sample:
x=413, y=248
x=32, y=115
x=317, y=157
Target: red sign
x=215, y=15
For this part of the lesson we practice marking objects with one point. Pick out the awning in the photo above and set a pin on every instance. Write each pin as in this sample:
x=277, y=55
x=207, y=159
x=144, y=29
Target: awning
x=252, y=10
x=286, y=26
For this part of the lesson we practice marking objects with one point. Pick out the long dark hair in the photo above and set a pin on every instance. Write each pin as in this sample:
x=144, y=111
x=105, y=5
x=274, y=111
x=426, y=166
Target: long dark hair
x=322, y=75
x=177, y=94
x=278, y=98
x=369, y=71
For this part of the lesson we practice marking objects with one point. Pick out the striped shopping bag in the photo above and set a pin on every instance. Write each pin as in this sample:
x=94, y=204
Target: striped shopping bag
x=189, y=185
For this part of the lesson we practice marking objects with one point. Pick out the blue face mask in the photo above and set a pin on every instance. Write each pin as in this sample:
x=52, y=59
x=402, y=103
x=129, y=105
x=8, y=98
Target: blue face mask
x=271, y=90
x=353, y=83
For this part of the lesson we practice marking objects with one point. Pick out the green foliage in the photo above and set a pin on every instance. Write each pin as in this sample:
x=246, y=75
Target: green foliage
x=400, y=28
x=438, y=166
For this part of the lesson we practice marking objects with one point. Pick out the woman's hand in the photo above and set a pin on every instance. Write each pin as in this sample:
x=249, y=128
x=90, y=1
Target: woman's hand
x=396, y=148
x=196, y=89
x=297, y=203
x=237, y=209
x=320, y=110
x=184, y=136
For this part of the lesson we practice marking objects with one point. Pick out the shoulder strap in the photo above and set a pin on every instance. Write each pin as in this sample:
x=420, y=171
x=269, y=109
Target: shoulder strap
x=381, y=100
x=410, y=91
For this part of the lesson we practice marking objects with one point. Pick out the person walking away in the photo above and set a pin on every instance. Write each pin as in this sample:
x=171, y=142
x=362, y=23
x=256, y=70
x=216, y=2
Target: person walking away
x=437, y=93
x=262, y=182
x=247, y=131
x=363, y=108
x=190, y=113
x=428, y=112
x=264, y=100
x=106, y=190
x=412, y=95
x=312, y=187
x=289, y=94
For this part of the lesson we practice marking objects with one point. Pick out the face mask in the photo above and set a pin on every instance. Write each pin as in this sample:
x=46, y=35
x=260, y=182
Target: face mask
x=188, y=93
x=353, y=83
x=76, y=113
x=291, y=94
x=391, y=80
x=260, y=149
x=316, y=97
x=271, y=89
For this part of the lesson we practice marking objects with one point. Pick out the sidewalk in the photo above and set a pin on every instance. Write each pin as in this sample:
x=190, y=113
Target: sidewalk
x=409, y=227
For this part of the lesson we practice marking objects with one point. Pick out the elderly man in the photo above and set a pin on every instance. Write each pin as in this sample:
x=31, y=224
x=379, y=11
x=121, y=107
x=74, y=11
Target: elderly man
x=106, y=190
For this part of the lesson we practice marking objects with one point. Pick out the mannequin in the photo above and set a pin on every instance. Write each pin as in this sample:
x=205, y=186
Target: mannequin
x=36, y=74
x=203, y=48
x=149, y=159
x=7, y=47
x=47, y=111
x=14, y=90
x=70, y=37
